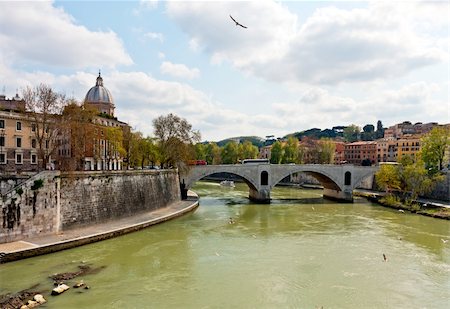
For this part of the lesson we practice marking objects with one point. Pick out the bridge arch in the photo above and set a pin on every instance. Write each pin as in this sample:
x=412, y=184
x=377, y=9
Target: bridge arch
x=325, y=179
x=362, y=176
x=196, y=176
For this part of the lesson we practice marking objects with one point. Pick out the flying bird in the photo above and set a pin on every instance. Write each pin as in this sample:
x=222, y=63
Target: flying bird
x=237, y=24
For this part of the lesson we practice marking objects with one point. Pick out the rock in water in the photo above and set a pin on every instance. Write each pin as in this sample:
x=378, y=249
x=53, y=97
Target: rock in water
x=60, y=289
x=32, y=304
x=79, y=285
x=39, y=298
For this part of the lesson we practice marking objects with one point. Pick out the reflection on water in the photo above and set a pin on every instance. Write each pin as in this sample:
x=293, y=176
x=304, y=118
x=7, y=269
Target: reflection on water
x=301, y=251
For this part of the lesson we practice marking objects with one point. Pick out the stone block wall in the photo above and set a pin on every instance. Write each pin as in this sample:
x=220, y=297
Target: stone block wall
x=96, y=197
x=31, y=208
x=68, y=200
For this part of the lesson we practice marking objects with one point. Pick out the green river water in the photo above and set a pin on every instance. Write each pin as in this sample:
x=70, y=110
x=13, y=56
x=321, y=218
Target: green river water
x=301, y=251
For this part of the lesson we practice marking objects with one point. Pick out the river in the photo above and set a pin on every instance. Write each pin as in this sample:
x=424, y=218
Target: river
x=301, y=251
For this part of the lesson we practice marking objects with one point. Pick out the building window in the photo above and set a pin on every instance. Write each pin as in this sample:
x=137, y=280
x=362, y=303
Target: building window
x=2, y=158
x=2, y=124
x=46, y=144
x=2, y=141
x=18, y=158
x=33, y=143
x=33, y=127
x=18, y=126
x=33, y=159
x=18, y=142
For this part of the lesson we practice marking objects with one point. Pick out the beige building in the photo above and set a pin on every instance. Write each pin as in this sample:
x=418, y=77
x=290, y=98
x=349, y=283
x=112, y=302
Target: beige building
x=408, y=145
x=18, y=146
x=386, y=150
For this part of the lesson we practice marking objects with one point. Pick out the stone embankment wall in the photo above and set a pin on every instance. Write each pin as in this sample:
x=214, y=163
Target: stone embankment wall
x=97, y=197
x=30, y=209
x=51, y=202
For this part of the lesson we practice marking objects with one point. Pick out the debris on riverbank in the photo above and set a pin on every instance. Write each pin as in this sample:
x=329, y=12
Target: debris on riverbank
x=21, y=298
x=425, y=209
x=33, y=296
x=83, y=270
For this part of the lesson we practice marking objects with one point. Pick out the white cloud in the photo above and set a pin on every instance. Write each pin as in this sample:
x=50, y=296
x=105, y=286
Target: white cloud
x=154, y=36
x=179, y=70
x=149, y=4
x=38, y=33
x=332, y=46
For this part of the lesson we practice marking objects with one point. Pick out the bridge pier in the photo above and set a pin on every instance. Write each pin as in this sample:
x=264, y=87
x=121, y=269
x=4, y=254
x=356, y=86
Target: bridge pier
x=259, y=196
x=341, y=196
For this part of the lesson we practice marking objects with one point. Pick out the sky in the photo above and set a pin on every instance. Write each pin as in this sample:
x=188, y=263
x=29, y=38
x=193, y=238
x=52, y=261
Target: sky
x=298, y=64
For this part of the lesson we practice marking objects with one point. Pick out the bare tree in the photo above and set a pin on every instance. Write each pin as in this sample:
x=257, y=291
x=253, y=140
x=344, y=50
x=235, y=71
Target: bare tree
x=44, y=106
x=175, y=135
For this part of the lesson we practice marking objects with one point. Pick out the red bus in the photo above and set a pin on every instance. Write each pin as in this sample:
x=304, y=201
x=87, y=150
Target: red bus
x=197, y=162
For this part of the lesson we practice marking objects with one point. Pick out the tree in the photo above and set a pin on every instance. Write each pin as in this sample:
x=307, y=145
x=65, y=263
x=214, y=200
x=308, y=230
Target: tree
x=230, y=153
x=247, y=150
x=76, y=136
x=175, y=136
x=113, y=137
x=327, y=149
x=213, y=154
x=388, y=177
x=276, y=153
x=134, y=151
x=379, y=133
x=416, y=179
x=368, y=133
x=200, y=151
x=290, y=151
x=434, y=145
x=351, y=133
x=45, y=107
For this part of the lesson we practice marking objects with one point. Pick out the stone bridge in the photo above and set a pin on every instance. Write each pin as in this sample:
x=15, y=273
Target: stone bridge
x=338, y=181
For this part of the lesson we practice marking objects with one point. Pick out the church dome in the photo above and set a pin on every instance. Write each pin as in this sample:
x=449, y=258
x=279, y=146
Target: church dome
x=100, y=98
x=98, y=93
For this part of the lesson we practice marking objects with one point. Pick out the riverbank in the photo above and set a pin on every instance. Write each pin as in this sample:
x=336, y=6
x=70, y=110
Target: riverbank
x=12, y=251
x=430, y=208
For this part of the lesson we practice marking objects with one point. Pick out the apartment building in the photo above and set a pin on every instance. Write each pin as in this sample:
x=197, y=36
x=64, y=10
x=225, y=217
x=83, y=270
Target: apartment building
x=357, y=152
x=18, y=146
x=386, y=150
x=408, y=145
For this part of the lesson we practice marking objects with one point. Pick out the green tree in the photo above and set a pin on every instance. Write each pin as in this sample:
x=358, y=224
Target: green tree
x=276, y=153
x=290, y=154
x=388, y=177
x=368, y=133
x=213, y=154
x=379, y=133
x=327, y=149
x=200, y=151
x=416, y=179
x=351, y=133
x=247, y=150
x=114, y=149
x=434, y=145
x=134, y=149
x=230, y=153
